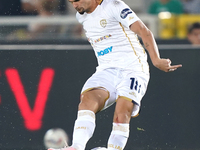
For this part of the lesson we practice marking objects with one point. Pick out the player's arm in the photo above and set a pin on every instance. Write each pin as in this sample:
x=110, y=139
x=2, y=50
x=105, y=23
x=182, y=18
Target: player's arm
x=149, y=42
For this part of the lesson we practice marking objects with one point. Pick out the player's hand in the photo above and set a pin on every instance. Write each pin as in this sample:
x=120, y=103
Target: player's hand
x=165, y=65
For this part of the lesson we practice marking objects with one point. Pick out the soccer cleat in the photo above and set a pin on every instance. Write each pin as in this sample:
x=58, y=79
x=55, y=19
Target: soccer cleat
x=67, y=148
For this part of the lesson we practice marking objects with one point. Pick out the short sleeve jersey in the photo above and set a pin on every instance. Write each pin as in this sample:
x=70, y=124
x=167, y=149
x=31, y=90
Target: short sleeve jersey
x=114, y=44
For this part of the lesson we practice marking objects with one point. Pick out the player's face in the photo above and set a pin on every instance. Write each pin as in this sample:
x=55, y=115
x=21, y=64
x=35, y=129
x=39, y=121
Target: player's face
x=83, y=6
x=194, y=36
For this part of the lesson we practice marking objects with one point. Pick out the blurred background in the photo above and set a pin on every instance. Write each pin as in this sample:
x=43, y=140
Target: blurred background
x=45, y=59
x=36, y=20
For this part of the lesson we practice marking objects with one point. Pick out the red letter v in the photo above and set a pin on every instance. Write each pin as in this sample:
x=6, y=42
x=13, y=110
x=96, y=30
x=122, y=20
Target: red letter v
x=32, y=118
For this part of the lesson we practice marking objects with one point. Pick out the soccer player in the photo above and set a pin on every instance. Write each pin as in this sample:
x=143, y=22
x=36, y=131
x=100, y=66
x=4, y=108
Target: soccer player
x=122, y=74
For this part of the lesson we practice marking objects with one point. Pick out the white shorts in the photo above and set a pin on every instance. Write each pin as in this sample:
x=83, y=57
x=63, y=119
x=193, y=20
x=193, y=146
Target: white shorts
x=119, y=83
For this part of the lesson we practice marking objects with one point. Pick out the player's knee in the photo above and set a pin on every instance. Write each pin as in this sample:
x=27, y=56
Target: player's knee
x=88, y=102
x=122, y=118
x=85, y=102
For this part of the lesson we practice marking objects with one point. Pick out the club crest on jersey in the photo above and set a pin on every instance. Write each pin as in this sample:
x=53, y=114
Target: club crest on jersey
x=103, y=23
x=125, y=12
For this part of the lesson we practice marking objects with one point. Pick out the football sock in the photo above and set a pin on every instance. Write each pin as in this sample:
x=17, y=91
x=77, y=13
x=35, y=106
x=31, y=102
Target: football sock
x=83, y=129
x=118, y=136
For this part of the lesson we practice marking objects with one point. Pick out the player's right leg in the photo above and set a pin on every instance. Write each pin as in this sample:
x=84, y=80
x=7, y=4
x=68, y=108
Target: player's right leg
x=91, y=102
x=99, y=90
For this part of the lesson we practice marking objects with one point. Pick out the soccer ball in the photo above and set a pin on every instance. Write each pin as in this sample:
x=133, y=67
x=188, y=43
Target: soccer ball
x=99, y=148
x=55, y=138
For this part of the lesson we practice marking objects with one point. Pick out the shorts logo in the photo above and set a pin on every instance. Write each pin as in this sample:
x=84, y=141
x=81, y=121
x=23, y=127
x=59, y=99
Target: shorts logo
x=125, y=12
x=105, y=51
x=130, y=18
x=132, y=93
x=103, y=23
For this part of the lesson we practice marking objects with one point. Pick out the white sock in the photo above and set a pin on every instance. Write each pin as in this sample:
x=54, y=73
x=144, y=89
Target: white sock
x=83, y=129
x=119, y=136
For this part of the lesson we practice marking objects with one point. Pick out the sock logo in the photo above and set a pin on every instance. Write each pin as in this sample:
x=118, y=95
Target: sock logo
x=81, y=128
x=115, y=146
x=86, y=113
x=120, y=128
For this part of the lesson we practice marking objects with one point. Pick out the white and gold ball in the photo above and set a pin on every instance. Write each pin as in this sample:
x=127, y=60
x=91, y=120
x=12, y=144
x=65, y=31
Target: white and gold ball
x=55, y=138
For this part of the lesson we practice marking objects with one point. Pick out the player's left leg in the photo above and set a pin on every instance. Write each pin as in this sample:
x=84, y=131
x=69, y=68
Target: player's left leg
x=120, y=131
x=131, y=89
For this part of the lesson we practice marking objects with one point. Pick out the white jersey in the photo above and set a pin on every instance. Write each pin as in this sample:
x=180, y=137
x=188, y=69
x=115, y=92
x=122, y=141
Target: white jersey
x=115, y=45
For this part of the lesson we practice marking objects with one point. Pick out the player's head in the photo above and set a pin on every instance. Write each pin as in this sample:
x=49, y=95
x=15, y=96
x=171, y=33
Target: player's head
x=194, y=33
x=83, y=6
